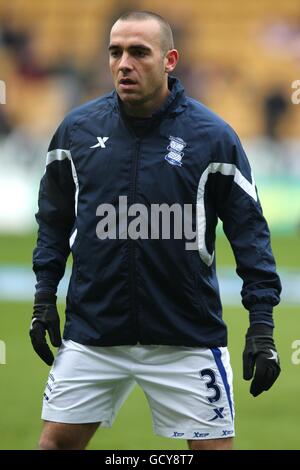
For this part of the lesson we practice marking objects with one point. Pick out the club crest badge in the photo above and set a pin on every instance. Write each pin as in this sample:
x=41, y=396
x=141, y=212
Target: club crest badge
x=175, y=149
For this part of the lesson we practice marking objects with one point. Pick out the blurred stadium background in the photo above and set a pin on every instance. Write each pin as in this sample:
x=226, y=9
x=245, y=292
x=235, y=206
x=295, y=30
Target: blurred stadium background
x=240, y=59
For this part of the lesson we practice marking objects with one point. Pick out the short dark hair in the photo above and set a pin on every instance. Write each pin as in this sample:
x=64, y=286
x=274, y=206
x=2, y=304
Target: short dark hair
x=167, y=41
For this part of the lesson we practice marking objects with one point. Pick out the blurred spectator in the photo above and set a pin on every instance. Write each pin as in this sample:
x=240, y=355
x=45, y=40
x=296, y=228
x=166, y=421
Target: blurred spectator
x=28, y=64
x=275, y=109
x=19, y=44
x=12, y=37
x=5, y=124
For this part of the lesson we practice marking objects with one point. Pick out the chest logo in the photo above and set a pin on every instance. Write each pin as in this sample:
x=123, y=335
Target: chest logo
x=101, y=142
x=175, y=149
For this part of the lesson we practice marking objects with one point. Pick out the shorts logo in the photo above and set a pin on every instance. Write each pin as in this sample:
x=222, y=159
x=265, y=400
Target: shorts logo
x=175, y=148
x=201, y=434
x=218, y=414
x=178, y=434
x=227, y=433
x=49, y=386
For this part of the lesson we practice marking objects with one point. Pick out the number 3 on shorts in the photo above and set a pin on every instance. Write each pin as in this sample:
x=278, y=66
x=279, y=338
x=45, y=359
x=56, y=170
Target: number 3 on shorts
x=211, y=384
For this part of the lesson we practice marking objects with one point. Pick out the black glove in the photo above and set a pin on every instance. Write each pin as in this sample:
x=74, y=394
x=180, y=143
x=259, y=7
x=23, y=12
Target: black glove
x=45, y=318
x=260, y=351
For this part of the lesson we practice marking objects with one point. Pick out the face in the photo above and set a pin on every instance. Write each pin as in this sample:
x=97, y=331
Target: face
x=138, y=66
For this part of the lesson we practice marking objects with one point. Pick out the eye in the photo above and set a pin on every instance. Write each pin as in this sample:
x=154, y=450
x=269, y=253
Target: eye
x=140, y=53
x=114, y=54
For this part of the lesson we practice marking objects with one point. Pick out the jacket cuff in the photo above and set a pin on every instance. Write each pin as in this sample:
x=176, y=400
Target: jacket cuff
x=44, y=298
x=259, y=329
x=261, y=313
x=47, y=281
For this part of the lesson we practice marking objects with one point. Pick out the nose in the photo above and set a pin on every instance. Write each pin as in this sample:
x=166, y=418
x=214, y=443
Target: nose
x=125, y=63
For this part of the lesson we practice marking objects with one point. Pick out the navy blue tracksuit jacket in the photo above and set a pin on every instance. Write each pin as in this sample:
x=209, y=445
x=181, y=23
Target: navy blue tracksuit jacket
x=150, y=291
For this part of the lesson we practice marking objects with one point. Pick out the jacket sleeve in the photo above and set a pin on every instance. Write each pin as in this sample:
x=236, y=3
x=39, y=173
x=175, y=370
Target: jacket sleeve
x=56, y=213
x=238, y=206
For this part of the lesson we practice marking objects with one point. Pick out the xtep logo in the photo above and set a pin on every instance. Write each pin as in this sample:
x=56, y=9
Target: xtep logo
x=101, y=143
x=177, y=434
x=218, y=414
x=200, y=434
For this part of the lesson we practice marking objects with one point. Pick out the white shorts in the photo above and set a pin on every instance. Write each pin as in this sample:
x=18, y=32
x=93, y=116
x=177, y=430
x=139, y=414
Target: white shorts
x=189, y=390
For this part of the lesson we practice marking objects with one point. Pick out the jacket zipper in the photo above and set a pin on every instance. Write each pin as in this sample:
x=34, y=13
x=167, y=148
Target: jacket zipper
x=132, y=265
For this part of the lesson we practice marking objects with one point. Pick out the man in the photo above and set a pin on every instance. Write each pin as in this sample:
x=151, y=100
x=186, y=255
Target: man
x=147, y=309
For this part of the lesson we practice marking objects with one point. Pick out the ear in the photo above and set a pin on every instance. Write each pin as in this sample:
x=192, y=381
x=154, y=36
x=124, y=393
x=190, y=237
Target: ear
x=171, y=60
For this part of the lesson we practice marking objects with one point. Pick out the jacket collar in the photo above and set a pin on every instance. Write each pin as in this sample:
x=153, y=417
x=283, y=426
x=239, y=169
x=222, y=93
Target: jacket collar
x=175, y=103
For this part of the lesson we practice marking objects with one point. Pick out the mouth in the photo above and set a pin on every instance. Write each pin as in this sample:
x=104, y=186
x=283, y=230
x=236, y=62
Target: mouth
x=127, y=83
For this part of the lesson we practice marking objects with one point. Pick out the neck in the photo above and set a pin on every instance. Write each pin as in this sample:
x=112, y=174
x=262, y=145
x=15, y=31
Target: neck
x=146, y=109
